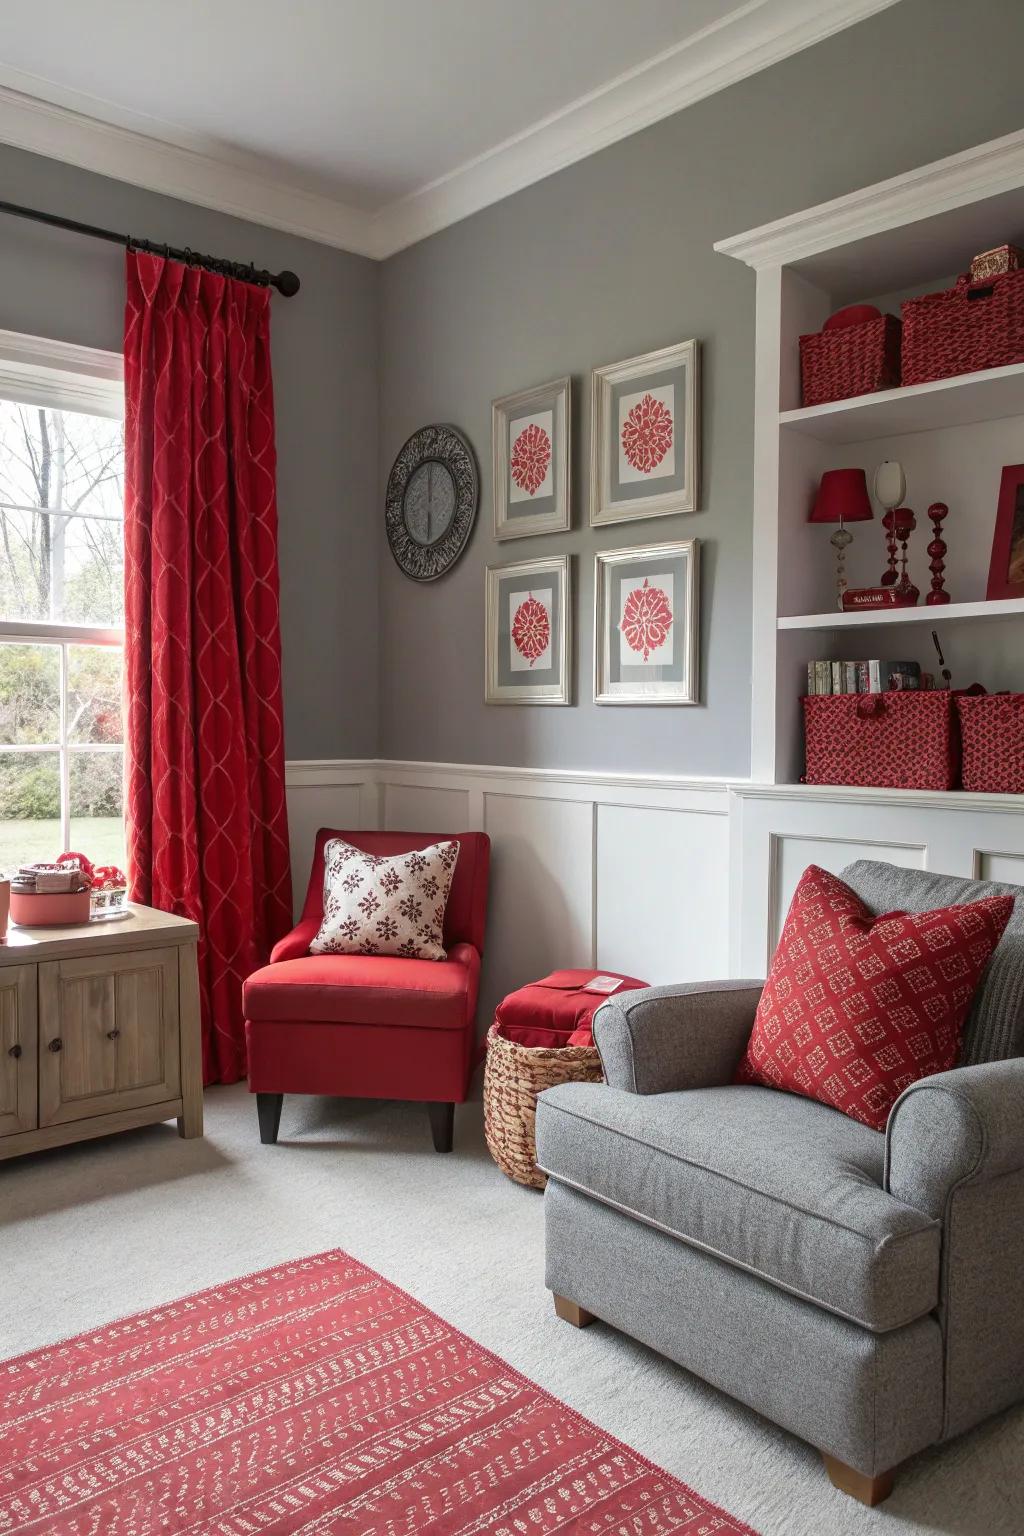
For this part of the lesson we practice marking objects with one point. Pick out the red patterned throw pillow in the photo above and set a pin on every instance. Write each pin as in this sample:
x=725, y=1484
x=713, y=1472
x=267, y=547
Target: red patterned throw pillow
x=857, y=1007
x=374, y=905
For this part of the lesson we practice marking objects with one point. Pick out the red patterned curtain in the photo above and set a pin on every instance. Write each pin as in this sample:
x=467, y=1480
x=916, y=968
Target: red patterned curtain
x=207, y=829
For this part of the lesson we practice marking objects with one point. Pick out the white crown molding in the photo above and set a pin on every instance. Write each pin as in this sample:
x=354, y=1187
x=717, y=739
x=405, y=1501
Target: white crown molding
x=202, y=177
x=984, y=171
x=760, y=34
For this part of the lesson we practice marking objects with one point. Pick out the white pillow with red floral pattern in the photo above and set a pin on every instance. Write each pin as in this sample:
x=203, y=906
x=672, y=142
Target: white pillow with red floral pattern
x=378, y=905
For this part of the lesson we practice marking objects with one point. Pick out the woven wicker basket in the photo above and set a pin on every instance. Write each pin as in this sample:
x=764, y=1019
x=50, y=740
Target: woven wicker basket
x=513, y=1077
x=964, y=329
x=854, y=360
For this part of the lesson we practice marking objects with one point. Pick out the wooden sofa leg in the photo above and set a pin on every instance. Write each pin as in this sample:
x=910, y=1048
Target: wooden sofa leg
x=570, y=1312
x=442, y=1125
x=868, y=1490
x=268, y=1109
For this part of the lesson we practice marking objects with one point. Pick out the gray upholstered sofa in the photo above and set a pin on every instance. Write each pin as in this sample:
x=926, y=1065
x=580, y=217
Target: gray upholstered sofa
x=862, y=1290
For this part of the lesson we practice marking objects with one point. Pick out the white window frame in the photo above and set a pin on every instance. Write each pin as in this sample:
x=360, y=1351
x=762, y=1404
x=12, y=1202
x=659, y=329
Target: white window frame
x=35, y=370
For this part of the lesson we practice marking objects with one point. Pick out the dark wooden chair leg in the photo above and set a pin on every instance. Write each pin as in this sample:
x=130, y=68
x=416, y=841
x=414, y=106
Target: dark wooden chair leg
x=268, y=1108
x=442, y=1125
x=868, y=1490
x=570, y=1312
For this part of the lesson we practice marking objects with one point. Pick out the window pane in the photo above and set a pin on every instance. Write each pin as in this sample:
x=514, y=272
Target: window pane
x=29, y=807
x=29, y=694
x=61, y=516
x=94, y=694
x=97, y=827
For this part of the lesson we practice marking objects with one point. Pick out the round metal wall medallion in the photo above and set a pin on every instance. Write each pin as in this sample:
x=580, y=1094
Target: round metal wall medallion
x=431, y=502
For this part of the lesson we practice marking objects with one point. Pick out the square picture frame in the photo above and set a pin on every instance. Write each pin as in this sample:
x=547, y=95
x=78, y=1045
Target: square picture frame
x=531, y=444
x=528, y=632
x=645, y=436
x=1006, y=568
x=647, y=624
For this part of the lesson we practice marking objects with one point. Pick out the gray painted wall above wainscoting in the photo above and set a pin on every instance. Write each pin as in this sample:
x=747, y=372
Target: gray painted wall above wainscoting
x=613, y=257
x=324, y=350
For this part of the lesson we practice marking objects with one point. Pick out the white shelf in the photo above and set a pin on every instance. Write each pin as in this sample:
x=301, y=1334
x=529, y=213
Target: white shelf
x=999, y=608
x=987, y=396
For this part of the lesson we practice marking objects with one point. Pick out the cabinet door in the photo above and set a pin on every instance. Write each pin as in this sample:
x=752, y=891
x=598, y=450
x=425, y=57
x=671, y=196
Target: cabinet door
x=108, y=1034
x=18, y=1049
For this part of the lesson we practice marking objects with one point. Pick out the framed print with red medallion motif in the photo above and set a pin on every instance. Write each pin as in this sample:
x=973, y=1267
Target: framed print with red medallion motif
x=528, y=651
x=645, y=443
x=646, y=630
x=530, y=435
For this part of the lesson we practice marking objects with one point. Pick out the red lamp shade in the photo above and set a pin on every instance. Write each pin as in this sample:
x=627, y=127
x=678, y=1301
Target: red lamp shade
x=842, y=498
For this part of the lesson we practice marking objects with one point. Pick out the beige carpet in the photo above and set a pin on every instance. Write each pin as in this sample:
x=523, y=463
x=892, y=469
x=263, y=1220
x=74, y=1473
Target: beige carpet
x=92, y=1232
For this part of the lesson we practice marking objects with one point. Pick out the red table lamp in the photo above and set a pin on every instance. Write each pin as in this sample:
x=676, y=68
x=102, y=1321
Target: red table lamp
x=842, y=498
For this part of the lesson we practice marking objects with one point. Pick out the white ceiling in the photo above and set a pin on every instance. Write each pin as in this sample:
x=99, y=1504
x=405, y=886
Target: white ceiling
x=369, y=123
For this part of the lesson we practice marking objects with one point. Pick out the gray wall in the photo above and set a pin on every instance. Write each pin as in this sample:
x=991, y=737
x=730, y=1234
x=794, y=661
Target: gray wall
x=324, y=347
x=612, y=257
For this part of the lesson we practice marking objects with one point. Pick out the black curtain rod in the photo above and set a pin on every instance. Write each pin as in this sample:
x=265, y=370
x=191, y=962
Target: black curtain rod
x=286, y=283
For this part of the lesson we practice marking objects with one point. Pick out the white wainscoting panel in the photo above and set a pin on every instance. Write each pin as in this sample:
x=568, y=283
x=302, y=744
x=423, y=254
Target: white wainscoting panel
x=672, y=879
x=542, y=890
x=791, y=854
x=662, y=892
x=330, y=794
x=1008, y=867
x=425, y=808
x=778, y=830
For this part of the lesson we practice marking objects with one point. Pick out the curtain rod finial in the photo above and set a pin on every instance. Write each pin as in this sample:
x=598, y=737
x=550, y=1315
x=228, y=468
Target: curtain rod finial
x=287, y=284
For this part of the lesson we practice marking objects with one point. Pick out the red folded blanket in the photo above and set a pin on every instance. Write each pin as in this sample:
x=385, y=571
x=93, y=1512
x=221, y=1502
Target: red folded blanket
x=558, y=1010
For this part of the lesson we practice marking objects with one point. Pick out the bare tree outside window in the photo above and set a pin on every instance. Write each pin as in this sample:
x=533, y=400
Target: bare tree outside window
x=61, y=573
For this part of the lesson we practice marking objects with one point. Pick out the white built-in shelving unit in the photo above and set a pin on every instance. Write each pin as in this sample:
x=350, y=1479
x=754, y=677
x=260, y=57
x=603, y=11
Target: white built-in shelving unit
x=953, y=437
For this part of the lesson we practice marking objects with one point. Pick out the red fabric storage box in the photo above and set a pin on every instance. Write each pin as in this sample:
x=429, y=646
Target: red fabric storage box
x=851, y=360
x=547, y=1012
x=992, y=731
x=963, y=329
x=889, y=740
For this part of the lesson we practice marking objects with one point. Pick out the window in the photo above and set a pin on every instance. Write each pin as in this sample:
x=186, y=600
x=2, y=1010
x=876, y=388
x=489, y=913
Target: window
x=61, y=602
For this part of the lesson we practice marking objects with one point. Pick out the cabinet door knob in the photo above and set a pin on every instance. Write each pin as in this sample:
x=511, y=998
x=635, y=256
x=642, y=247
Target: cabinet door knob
x=112, y=1034
x=15, y=1051
x=55, y=1045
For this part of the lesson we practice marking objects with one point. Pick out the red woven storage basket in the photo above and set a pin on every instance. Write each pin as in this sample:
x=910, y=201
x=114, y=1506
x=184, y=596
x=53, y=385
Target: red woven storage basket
x=853, y=360
x=891, y=740
x=971, y=326
x=992, y=730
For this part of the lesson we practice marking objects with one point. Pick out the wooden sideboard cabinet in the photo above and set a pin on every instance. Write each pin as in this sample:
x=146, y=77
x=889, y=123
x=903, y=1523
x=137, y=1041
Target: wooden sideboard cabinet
x=99, y=1030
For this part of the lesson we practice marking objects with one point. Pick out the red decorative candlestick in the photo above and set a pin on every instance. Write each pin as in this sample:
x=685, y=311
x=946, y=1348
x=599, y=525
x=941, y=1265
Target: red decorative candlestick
x=937, y=554
x=890, y=575
x=903, y=525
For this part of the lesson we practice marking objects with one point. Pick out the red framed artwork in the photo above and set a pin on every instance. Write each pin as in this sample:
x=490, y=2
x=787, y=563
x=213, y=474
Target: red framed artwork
x=1006, y=572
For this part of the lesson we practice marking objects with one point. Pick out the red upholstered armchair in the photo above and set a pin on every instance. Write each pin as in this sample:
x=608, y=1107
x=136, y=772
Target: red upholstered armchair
x=372, y=1026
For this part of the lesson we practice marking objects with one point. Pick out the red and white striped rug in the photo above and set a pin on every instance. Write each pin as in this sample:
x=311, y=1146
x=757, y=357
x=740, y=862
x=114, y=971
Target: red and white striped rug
x=315, y=1399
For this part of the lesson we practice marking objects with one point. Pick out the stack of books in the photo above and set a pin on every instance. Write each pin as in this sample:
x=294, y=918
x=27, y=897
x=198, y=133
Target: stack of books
x=829, y=677
x=48, y=880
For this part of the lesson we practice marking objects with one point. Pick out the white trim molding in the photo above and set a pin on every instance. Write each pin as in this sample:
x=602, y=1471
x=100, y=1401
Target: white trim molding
x=987, y=170
x=150, y=154
x=35, y=370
